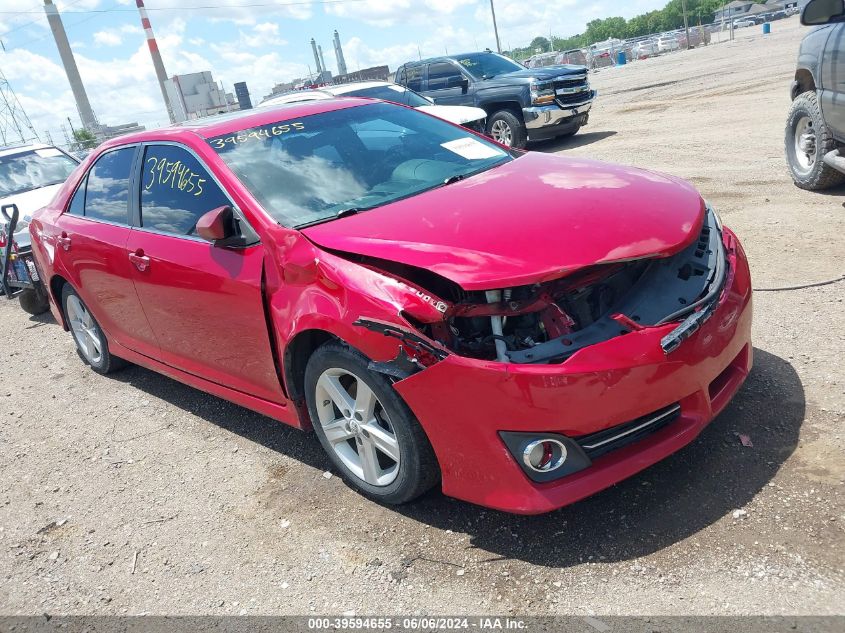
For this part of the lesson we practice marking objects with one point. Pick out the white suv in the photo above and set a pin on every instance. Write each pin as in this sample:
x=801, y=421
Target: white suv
x=30, y=175
x=473, y=118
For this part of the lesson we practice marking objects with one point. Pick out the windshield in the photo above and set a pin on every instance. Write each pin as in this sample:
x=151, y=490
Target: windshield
x=33, y=169
x=309, y=170
x=488, y=65
x=397, y=94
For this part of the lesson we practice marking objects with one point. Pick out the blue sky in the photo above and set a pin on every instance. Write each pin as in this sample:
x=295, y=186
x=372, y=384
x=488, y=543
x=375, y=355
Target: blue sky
x=262, y=45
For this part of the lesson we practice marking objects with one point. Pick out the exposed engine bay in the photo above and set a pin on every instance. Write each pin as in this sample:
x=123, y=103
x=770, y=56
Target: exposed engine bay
x=549, y=322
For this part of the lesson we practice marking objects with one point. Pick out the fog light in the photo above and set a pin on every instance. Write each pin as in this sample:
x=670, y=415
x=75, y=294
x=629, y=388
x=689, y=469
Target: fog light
x=544, y=455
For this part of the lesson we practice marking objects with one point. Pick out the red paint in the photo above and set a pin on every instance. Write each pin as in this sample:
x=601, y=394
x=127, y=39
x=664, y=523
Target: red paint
x=197, y=312
x=530, y=220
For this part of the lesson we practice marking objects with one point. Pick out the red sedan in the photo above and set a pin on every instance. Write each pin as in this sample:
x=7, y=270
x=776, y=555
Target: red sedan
x=522, y=329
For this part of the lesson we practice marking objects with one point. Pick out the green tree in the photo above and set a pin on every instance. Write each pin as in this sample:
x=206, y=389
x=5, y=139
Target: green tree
x=541, y=43
x=84, y=139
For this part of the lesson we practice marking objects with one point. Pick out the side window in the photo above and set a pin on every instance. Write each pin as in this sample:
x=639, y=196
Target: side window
x=443, y=75
x=77, y=203
x=414, y=77
x=176, y=190
x=400, y=76
x=107, y=189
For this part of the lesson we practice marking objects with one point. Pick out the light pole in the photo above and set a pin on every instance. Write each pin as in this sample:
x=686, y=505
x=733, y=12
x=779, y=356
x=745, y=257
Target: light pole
x=495, y=28
x=686, y=22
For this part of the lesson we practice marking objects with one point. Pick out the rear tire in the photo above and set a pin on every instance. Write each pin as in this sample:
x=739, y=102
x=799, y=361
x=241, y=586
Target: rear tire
x=375, y=437
x=33, y=302
x=807, y=139
x=91, y=343
x=506, y=128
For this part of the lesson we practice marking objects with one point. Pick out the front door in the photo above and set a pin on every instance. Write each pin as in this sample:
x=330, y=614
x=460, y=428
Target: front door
x=833, y=81
x=203, y=302
x=447, y=85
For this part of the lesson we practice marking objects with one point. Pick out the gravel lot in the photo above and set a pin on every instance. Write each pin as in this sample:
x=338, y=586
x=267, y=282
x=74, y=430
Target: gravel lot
x=135, y=494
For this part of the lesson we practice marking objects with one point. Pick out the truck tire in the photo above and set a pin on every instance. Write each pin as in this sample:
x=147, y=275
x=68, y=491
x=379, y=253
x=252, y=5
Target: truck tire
x=506, y=128
x=807, y=139
x=33, y=302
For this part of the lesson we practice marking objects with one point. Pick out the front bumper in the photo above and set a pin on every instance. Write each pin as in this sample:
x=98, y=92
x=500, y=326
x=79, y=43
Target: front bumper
x=552, y=120
x=599, y=387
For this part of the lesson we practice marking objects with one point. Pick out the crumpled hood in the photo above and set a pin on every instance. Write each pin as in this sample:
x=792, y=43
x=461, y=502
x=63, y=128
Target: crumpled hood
x=28, y=203
x=536, y=218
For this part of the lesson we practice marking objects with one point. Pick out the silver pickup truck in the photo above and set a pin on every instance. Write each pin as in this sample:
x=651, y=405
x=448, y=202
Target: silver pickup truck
x=815, y=127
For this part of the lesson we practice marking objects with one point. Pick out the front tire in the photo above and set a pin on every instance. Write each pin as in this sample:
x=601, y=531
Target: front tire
x=91, y=343
x=807, y=140
x=366, y=429
x=506, y=128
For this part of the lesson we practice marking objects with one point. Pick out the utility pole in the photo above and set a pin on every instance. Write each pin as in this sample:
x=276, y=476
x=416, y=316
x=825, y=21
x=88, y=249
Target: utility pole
x=495, y=27
x=15, y=126
x=686, y=22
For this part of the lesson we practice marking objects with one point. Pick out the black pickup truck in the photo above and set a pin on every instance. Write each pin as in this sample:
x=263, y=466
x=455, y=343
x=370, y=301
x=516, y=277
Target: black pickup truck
x=522, y=104
x=815, y=127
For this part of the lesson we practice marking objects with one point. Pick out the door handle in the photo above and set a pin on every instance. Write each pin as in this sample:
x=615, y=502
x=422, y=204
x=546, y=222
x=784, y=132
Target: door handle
x=141, y=261
x=64, y=241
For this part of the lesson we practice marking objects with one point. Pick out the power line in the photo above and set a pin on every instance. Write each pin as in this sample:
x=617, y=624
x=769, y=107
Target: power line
x=31, y=22
x=251, y=5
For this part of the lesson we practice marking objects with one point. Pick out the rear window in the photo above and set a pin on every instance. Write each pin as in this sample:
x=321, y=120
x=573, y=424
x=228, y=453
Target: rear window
x=107, y=189
x=396, y=94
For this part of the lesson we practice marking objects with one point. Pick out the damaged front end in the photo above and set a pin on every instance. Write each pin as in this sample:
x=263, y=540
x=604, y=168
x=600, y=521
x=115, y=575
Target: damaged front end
x=549, y=322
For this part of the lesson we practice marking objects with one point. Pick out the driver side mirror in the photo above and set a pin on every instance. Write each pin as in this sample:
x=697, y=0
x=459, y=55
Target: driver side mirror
x=219, y=227
x=458, y=81
x=817, y=12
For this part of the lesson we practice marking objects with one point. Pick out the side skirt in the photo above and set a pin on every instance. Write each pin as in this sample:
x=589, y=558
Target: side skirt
x=279, y=412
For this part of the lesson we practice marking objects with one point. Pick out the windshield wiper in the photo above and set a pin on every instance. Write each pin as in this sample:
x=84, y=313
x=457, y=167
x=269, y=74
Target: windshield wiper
x=453, y=179
x=351, y=211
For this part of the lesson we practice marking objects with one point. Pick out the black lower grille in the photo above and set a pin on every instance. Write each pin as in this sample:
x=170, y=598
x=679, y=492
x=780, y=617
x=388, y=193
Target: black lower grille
x=597, y=444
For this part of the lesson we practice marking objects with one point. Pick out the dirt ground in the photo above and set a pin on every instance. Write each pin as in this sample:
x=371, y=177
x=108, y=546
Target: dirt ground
x=135, y=494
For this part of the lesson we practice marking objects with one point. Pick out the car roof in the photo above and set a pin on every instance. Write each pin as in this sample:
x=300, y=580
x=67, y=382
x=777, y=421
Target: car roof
x=298, y=95
x=218, y=125
x=341, y=89
x=451, y=58
x=10, y=150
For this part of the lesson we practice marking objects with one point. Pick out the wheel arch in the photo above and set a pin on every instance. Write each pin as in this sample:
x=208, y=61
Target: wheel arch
x=296, y=355
x=804, y=82
x=57, y=284
x=493, y=107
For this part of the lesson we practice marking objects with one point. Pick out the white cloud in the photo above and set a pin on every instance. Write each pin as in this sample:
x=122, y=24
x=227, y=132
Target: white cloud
x=107, y=38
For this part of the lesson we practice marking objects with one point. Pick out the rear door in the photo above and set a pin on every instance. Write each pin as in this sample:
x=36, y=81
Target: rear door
x=90, y=242
x=833, y=81
x=203, y=302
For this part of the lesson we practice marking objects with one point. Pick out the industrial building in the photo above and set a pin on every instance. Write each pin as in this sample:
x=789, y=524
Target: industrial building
x=197, y=95
x=376, y=73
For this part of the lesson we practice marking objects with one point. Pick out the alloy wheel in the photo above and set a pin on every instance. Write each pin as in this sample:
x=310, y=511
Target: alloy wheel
x=502, y=133
x=85, y=331
x=357, y=427
x=805, y=144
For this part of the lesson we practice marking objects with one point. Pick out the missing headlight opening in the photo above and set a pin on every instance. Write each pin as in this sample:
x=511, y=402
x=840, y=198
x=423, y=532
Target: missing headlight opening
x=549, y=322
